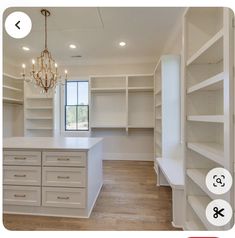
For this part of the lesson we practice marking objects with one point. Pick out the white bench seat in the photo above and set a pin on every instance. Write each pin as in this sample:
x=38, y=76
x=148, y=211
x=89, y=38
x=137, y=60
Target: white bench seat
x=170, y=173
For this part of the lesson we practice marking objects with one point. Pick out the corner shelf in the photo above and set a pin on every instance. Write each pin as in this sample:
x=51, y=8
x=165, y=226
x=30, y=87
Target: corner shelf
x=212, y=151
x=209, y=52
x=213, y=83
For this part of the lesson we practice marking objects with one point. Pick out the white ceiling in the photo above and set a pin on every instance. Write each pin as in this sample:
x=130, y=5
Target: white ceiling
x=96, y=32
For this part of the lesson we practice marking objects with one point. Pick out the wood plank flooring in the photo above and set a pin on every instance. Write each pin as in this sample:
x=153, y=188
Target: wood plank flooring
x=129, y=200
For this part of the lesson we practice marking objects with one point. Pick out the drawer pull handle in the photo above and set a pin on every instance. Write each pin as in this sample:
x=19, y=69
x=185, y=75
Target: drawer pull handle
x=20, y=175
x=65, y=198
x=63, y=159
x=20, y=158
x=19, y=195
x=63, y=177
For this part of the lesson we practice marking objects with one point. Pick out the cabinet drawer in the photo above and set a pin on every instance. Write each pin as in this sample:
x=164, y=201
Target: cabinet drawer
x=64, y=159
x=21, y=195
x=63, y=197
x=67, y=177
x=21, y=175
x=21, y=157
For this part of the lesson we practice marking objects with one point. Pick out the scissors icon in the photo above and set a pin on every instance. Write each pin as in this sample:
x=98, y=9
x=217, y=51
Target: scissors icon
x=218, y=212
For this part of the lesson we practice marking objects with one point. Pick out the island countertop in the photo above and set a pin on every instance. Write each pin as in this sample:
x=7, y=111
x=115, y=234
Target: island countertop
x=48, y=143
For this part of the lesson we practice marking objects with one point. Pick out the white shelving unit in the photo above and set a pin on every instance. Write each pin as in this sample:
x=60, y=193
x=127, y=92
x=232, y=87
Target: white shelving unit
x=39, y=112
x=168, y=162
x=13, y=89
x=208, y=97
x=121, y=102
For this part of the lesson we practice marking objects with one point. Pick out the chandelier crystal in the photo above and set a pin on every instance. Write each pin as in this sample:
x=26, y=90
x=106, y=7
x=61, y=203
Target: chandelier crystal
x=44, y=71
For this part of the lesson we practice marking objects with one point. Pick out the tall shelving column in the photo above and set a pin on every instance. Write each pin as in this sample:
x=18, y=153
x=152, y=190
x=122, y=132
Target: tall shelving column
x=167, y=110
x=39, y=112
x=157, y=115
x=168, y=161
x=208, y=82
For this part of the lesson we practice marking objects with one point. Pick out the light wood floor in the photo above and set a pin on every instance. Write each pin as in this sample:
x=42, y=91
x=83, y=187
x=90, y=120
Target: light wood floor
x=129, y=200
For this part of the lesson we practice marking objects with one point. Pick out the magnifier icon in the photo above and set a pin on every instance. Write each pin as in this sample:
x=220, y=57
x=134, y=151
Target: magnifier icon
x=218, y=180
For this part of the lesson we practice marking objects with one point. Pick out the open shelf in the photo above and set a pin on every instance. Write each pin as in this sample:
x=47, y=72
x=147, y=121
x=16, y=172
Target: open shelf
x=212, y=151
x=39, y=128
x=12, y=88
x=12, y=100
x=211, y=84
x=141, y=126
x=140, y=89
x=206, y=118
x=158, y=92
x=39, y=97
x=108, y=126
x=39, y=118
x=210, y=52
x=194, y=226
x=158, y=105
x=39, y=108
x=12, y=76
x=198, y=176
x=103, y=90
x=199, y=204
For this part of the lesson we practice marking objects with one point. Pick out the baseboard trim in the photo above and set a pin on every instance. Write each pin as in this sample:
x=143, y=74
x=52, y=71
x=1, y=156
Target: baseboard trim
x=129, y=156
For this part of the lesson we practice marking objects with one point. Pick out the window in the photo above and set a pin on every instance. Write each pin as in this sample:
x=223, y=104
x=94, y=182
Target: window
x=76, y=106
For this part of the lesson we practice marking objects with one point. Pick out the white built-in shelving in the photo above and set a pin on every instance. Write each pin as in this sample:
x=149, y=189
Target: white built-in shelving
x=208, y=113
x=39, y=112
x=13, y=89
x=121, y=102
x=167, y=139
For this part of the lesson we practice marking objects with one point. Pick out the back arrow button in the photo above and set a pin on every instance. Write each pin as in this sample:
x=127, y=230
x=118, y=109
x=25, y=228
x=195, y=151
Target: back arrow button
x=17, y=25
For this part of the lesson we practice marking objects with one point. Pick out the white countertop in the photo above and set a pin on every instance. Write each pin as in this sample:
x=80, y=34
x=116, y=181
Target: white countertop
x=70, y=143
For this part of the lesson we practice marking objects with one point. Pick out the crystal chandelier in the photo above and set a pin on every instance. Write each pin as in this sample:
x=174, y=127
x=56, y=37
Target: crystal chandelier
x=44, y=71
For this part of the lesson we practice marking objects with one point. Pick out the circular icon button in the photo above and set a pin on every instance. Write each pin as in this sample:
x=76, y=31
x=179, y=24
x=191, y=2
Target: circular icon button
x=219, y=212
x=18, y=25
x=219, y=181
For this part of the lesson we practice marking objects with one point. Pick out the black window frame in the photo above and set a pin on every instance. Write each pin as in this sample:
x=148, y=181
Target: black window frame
x=77, y=105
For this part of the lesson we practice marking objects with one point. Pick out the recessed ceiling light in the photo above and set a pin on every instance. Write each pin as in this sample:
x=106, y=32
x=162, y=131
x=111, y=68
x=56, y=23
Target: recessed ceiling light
x=72, y=46
x=25, y=48
x=122, y=43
